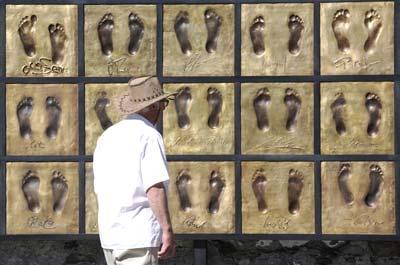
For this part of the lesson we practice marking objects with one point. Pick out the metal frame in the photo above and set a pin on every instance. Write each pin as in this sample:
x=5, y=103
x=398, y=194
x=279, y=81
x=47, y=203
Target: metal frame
x=237, y=79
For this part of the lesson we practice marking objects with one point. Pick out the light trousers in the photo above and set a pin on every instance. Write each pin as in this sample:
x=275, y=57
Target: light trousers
x=137, y=256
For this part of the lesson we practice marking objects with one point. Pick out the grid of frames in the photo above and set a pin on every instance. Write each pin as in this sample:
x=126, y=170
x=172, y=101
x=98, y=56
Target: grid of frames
x=238, y=80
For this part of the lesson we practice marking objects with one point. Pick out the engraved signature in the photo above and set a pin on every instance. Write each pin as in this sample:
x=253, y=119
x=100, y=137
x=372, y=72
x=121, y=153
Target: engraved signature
x=347, y=62
x=34, y=221
x=43, y=66
x=272, y=222
x=194, y=62
x=365, y=220
x=276, y=65
x=34, y=145
x=356, y=144
x=279, y=142
x=117, y=66
x=194, y=222
x=190, y=140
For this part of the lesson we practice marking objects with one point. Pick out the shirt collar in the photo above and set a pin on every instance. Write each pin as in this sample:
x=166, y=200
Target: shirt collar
x=135, y=116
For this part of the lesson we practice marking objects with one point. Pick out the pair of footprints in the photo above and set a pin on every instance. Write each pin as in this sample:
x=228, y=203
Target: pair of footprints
x=375, y=185
x=30, y=188
x=373, y=105
x=24, y=112
x=261, y=105
x=295, y=25
x=341, y=24
x=105, y=29
x=217, y=186
x=295, y=187
x=183, y=103
x=213, y=24
x=26, y=31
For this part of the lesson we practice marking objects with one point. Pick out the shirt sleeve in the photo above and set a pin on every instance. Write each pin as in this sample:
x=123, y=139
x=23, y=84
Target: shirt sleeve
x=154, y=163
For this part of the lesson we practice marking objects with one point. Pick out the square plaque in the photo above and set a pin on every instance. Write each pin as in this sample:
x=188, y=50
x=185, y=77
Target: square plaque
x=270, y=191
x=357, y=38
x=191, y=21
x=42, y=198
x=41, y=40
x=120, y=40
x=353, y=215
x=286, y=32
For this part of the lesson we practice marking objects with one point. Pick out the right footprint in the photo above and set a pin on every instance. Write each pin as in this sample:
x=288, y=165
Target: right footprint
x=374, y=107
x=60, y=192
x=343, y=182
x=337, y=108
x=295, y=187
x=24, y=112
x=30, y=187
x=54, y=113
x=100, y=108
x=182, y=181
x=58, y=40
x=214, y=99
x=340, y=27
x=373, y=23
x=26, y=31
x=104, y=31
x=183, y=103
x=375, y=186
x=258, y=185
x=213, y=25
x=136, y=29
x=293, y=103
x=181, y=27
x=261, y=103
x=296, y=27
x=217, y=185
x=257, y=35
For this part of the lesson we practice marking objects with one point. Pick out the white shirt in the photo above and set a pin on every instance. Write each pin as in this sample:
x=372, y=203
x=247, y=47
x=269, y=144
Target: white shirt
x=129, y=158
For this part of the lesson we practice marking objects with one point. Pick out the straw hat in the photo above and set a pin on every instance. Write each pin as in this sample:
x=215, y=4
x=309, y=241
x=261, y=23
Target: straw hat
x=142, y=92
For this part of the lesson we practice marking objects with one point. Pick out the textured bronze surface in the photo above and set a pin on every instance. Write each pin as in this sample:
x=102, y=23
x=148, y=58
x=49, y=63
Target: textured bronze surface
x=91, y=202
x=355, y=60
x=277, y=219
x=120, y=62
x=41, y=64
x=356, y=139
x=277, y=60
x=66, y=140
x=277, y=139
x=198, y=219
x=20, y=220
x=339, y=218
x=93, y=128
x=199, y=138
x=199, y=62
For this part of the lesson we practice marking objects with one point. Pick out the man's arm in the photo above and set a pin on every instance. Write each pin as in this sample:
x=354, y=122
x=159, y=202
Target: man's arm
x=158, y=203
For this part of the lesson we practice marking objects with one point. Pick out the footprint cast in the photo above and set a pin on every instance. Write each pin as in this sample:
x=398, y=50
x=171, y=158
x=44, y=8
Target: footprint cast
x=183, y=104
x=215, y=101
x=293, y=103
x=181, y=27
x=58, y=39
x=261, y=105
x=104, y=32
x=24, y=113
x=340, y=27
x=374, y=25
x=60, y=192
x=53, y=109
x=136, y=32
x=295, y=187
x=257, y=35
x=100, y=108
x=30, y=188
x=26, y=30
x=213, y=24
x=217, y=186
x=373, y=105
x=375, y=189
x=337, y=108
x=343, y=183
x=182, y=181
x=296, y=27
x=258, y=185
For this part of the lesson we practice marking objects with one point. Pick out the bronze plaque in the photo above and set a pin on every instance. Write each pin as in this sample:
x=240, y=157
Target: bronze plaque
x=277, y=118
x=42, y=198
x=357, y=38
x=358, y=198
x=200, y=120
x=120, y=40
x=357, y=118
x=201, y=197
x=91, y=202
x=277, y=39
x=42, y=119
x=41, y=40
x=198, y=40
x=100, y=112
x=278, y=197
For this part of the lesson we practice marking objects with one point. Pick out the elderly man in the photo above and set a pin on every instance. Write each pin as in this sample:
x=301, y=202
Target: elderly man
x=130, y=178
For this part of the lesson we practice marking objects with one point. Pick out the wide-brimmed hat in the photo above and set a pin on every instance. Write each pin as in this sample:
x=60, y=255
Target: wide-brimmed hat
x=141, y=92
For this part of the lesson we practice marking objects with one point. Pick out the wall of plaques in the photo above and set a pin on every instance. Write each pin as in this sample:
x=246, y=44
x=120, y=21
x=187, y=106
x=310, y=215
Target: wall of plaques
x=285, y=123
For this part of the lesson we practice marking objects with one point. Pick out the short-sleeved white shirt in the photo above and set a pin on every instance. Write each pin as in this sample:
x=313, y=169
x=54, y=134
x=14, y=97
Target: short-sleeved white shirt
x=129, y=158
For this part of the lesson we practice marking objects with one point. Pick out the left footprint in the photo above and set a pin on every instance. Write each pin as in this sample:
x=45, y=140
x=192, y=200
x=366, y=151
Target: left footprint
x=217, y=185
x=183, y=103
x=60, y=192
x=26, y=31
x=57, y=39
x=100, y=108
x=54, y=113
x=104, y=31
x=181, y=27
x=30, y=187
x=24, y=112
x=182, y=181
x=261, y=104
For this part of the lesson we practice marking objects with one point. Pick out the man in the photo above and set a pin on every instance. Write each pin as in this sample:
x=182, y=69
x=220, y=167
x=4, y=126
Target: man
x=130, y=178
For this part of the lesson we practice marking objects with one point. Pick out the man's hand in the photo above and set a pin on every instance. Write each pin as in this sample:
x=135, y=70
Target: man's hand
x=168, y=245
